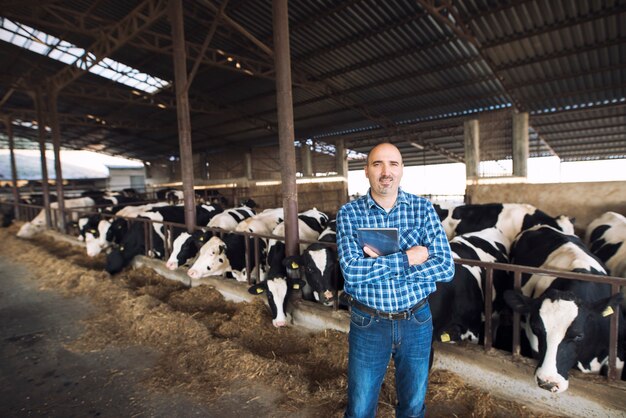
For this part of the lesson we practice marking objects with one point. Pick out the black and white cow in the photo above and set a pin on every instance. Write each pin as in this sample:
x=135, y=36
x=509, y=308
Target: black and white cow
x=38, y=224
x=311, y=223
x=606, y=238
x=567, y=321
x=96, y=230
x=262, y=223
x=282, y=275
x=458, y=306
x=133, y=242
x=319, y=266
x=510, y=218
x=277, y=290
x=230, y=218
x=187, y=246
x=227, y=255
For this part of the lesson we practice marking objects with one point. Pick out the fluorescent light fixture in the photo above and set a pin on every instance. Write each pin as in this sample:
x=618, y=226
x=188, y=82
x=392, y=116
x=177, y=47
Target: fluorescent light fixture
x=47, y=45
x=416, y=145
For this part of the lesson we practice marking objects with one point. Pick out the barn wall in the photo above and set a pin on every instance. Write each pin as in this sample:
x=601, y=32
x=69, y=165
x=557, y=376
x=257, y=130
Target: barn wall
x=584, y=201
x=325, y=196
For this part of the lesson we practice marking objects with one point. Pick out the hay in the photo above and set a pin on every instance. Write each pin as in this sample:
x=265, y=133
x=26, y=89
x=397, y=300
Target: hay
x=209, y=345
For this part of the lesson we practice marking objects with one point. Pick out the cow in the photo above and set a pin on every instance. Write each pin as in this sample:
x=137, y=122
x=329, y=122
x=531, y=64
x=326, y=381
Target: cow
x=99, y=233
x=510, y=218
x=133, y=242
x=187, y=245
x=227, y=255
x=230, y=218
x=38, y=224
x=566, y=321
x=285, y=271
x=262, y=223
x=277, y=290
x=606, y=238
x=458, y=306
x=311, y=223
x=319, y=267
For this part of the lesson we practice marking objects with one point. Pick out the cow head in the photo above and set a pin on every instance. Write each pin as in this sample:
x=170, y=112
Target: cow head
x=32, y=228
x=132, y=244
x=564, y=332
x=95, y=239
x=277, y=290
x=212, y=260
x=319, y=263
x=117, y=230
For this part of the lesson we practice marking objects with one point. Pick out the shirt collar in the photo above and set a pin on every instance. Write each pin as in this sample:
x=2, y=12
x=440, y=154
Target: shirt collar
x=402, y=198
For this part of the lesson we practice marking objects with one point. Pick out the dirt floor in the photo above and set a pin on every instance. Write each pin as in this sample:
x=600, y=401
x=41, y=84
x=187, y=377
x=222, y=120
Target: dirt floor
x=78, y=342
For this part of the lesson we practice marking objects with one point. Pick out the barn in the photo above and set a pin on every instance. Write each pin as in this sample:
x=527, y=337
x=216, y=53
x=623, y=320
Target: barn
x=278, y=101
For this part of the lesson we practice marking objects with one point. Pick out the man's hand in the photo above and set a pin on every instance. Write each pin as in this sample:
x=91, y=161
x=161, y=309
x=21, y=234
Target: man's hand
x=417, y=255
x=367, y=250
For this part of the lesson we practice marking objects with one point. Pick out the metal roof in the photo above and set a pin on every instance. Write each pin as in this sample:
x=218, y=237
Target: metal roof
x=409, y=71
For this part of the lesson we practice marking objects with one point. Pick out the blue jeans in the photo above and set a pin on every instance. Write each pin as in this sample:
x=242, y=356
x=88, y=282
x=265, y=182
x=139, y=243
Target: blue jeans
x=372, y=342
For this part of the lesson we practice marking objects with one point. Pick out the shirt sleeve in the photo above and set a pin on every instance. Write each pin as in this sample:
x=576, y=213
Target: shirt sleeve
x=440, y=265
x=356, y=266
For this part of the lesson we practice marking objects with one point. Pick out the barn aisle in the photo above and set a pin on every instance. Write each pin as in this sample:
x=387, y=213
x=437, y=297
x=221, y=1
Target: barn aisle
x=42, y=374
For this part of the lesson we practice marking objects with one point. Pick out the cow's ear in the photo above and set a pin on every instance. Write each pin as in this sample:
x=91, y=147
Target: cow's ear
x=517, y=301
x=607, y=306
x=257, y=289
x=297, y=284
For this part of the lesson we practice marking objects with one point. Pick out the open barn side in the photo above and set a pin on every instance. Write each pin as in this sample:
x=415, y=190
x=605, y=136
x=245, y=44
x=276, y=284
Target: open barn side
x=583, y=201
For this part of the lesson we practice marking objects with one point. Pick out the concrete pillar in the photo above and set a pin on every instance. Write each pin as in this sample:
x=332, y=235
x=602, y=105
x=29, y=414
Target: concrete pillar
x=341, y=162
x=471, y=134
x=520, y=144
x=56, y=144
x=307, y=163
x=248, y=165
x=15, y=189
x=41, y=129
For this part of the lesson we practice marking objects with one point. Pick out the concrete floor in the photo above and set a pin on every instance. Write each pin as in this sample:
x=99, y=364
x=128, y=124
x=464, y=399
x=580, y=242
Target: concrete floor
x=40, y=377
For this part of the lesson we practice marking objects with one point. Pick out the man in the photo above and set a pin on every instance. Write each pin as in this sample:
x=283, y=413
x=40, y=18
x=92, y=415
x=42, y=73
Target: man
x=390, y=315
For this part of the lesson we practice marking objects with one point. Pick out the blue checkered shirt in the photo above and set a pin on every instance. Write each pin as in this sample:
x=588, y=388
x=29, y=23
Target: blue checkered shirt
x=388, y=283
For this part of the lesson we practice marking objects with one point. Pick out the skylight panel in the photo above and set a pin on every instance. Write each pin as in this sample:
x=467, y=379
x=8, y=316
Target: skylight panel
x=36, y=41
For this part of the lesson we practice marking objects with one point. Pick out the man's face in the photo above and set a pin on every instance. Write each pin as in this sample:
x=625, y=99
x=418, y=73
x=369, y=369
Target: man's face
x=384, y=170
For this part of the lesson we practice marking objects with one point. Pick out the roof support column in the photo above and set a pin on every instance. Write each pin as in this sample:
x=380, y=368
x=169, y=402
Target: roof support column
x=341, y=162
x=41, y=126
x=520, y=144
x=284, y=104
x=182, y=110
x=307, y=163
x=248, y=165
x=56, y=145
x=16, y=193
x=471, y=134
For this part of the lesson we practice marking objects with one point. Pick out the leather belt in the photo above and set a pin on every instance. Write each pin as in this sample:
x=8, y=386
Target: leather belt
x=386, y=315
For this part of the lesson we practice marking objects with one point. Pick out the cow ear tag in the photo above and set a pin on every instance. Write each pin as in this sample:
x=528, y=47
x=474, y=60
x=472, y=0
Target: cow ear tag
x=608, y=311
x=201, y=238
x=445, y=337
x=259, y=290
x=294, y=265
x=296, y=285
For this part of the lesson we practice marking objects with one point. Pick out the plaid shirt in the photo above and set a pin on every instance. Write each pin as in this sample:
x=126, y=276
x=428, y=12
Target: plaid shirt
x=388, y=283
